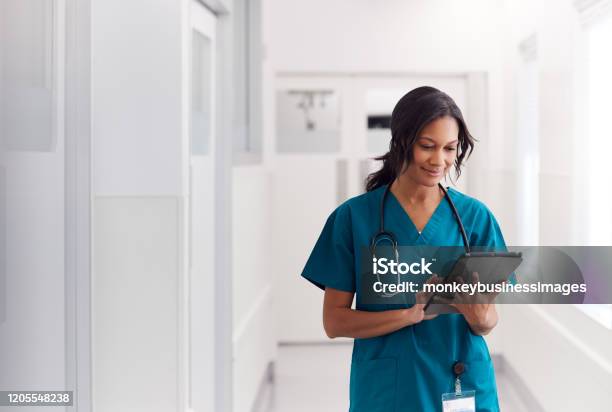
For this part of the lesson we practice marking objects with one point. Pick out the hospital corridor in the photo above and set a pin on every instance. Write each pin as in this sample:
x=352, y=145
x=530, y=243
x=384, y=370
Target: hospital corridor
x=197, y=198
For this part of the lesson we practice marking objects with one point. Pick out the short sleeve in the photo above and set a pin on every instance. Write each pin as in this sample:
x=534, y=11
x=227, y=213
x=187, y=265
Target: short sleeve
x=488, y=234
x=331, y=262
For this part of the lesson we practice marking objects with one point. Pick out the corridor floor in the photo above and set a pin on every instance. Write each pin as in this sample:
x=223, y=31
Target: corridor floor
x=316, y=378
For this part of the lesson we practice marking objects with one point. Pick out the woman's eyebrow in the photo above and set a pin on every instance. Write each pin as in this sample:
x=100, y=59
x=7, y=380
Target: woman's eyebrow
x=432, y=140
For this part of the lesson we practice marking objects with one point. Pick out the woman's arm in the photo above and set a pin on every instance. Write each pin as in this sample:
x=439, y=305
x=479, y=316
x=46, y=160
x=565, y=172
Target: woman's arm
x=339, y=320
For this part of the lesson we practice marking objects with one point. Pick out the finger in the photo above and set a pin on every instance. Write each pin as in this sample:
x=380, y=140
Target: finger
x=496, y=292
x=475, y=277
x=442, y=299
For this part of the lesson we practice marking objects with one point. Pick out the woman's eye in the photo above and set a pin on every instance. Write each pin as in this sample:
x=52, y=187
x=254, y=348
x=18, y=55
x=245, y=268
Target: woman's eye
x=451, y=149
x=426, y=147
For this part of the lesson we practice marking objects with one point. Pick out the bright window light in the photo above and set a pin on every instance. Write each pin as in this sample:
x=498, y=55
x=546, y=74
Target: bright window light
x=599, y=88
x=599, y=37
x=528, y=153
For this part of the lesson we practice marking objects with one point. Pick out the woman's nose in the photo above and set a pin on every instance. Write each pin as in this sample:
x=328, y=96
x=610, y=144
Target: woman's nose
x=437, y=158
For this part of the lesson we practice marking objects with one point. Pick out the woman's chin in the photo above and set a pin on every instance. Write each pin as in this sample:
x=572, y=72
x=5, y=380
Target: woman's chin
x=430, y=181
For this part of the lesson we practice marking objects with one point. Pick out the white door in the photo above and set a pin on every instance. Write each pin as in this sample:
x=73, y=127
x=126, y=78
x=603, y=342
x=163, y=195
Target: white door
x=201, y=210
x=34, y=318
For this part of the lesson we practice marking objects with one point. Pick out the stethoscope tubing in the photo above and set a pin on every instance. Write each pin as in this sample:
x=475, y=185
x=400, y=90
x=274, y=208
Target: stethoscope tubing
x=389, y=236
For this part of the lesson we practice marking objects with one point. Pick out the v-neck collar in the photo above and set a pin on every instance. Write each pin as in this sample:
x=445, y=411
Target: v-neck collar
x=430, y=228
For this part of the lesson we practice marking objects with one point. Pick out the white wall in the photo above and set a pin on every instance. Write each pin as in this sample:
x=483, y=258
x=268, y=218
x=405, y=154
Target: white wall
x=137, y=94
x=135, y=312
x=349, y=36
x=254, y=328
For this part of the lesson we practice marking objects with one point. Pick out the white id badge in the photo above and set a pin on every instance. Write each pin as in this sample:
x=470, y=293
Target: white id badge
x=459, y=402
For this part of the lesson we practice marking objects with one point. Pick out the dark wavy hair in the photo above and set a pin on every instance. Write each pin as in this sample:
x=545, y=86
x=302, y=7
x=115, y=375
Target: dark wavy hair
x=411, y=114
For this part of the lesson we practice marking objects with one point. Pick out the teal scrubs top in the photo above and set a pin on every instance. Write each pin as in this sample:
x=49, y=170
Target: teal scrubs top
x=409, y=369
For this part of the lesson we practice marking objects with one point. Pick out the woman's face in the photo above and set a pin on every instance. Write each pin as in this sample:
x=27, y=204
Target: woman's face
x=434, y=151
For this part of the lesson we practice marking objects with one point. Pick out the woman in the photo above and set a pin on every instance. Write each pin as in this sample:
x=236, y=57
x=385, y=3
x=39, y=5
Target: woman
x=402, y=359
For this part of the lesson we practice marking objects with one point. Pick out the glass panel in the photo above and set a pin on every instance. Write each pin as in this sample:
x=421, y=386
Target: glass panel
x=240, y=78
x=201, y=94
x=26, y=75
x=247, y=76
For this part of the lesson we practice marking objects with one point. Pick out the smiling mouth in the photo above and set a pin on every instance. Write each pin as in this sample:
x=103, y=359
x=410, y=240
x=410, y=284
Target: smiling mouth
x=433, y=172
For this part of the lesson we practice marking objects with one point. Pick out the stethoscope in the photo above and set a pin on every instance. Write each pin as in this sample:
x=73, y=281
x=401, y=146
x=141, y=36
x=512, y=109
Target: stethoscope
x=384, y=235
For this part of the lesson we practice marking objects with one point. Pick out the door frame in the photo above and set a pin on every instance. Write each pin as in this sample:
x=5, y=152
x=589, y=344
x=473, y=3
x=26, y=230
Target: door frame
x=77, y=222
x=221, y=149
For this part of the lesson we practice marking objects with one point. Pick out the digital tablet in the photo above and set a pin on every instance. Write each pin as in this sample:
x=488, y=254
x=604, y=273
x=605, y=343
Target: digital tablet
x=492, y=267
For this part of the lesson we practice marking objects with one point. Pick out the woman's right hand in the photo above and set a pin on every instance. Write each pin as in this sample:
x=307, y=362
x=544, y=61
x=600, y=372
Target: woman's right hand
x=417, y=312
x=339, y=319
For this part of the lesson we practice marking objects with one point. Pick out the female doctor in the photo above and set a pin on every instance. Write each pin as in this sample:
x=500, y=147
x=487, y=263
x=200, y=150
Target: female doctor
x=402, y=359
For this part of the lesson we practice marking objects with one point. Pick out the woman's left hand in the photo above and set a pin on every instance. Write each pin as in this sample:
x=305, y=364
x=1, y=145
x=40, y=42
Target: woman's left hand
x=478, y=309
